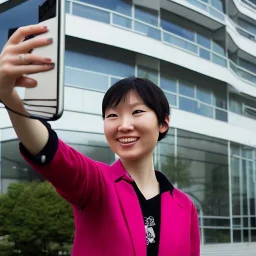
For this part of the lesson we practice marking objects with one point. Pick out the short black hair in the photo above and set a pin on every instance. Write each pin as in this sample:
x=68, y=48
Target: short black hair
x=150, y=93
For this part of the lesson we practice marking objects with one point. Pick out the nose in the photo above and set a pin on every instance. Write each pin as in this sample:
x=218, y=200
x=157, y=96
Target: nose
x=125, y=125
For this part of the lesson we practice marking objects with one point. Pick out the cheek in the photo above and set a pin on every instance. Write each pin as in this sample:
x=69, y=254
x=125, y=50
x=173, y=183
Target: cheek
x=109, y=130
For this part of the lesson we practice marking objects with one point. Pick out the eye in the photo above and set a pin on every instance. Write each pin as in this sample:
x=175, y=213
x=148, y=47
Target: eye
x=111, y=115
x=137, y=111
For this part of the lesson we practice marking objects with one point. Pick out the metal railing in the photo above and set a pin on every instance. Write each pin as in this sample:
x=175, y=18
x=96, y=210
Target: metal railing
x=212, y=11
x=125, y=22
x=249, y=3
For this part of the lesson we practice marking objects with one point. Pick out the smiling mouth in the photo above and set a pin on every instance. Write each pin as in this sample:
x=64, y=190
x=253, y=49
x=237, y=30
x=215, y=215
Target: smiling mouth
x=127, y=140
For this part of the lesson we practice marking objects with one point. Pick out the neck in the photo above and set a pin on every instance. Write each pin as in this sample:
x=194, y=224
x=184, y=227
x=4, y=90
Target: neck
x=143, y=173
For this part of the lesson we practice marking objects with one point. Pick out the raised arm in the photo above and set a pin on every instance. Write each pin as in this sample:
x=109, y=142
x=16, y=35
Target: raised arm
x=32, y=133
x=75, y=177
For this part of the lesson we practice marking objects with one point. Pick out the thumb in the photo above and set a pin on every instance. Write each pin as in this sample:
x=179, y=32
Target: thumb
x=26, y=82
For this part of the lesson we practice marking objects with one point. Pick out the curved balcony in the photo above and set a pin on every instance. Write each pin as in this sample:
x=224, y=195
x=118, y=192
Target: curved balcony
x=157, y=33
x=196, y=11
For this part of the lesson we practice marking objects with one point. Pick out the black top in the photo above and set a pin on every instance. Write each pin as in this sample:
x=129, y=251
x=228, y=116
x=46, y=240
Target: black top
x=151, y=210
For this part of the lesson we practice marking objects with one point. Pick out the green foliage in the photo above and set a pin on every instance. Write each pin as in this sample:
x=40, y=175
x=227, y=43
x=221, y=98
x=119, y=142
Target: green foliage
x=36, y=219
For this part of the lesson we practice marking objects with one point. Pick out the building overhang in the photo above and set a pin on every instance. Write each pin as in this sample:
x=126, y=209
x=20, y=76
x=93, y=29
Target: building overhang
x=190, y=12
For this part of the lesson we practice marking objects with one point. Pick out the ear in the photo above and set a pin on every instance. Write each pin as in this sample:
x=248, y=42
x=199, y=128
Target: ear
x=164, y=127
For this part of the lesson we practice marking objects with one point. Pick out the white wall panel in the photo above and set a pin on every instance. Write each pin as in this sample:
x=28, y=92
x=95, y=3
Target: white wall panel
x=210, y=127
x=83, y=100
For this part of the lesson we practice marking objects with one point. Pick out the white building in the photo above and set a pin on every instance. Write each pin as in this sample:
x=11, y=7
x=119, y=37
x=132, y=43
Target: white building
x=202, y=53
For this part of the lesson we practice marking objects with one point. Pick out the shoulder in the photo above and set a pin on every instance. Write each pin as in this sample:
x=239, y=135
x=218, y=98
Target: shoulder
x=182, y=198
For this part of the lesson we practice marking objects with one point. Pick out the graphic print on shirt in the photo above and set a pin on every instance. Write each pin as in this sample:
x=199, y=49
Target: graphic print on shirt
x=150, y=233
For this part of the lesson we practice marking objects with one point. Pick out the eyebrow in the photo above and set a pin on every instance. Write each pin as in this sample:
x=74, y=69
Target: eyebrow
x=131, y=105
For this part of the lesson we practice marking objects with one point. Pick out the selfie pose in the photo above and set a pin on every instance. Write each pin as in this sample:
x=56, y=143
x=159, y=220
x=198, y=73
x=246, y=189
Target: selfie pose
x=121, y=210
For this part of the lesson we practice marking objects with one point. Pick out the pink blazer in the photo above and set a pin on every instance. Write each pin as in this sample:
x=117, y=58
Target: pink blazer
x=108, y=217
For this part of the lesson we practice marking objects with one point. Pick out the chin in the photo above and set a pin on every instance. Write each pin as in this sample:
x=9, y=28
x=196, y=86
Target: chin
x=129, y=157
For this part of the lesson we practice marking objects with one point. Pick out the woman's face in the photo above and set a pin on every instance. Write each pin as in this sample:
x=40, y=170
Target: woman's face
x=132, y=128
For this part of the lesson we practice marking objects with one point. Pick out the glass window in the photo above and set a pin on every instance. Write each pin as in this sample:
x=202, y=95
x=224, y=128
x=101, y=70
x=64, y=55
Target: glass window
x=178, y=30
x=174, y=40
x=237, y=236
x=147, y=30
x=247, y=65
x=172, y=99
x=86, y=79
x=204, y=110
x=219, y=60
x=93, y=145
x=220, y=99
x=247, y=25
x=204, y=41
x=148, y=73
x=168, y=83
x=204, y=95
x=218, y=49
x=216, y=222
x=68, y=7
x=13, y=166
x=121, y=6
x=186, y=89
x=91, y=13
x=217, y=4
x=188, y=105
x=204, y=54
x=235, y=103
x=221, y=115
x=250, y=112
x=147, y=15
x=103, y=59
x=207, y=164
x=122, y=21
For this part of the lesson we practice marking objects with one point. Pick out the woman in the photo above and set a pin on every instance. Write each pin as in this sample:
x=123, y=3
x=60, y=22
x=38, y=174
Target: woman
x=124, y=209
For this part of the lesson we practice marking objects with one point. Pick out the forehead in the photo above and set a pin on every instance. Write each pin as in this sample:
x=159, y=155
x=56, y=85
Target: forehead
x=130, y=99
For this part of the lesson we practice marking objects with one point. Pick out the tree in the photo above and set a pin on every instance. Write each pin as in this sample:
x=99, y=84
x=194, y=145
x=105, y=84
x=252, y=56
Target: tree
x=36, y=220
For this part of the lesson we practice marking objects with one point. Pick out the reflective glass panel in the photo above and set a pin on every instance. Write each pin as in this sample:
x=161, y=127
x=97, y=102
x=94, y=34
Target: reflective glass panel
x=186, y=89
x=90, y=13
x=147, y=30
x=204, y=41
x=121, y=6
x=204, y=95
x=172, y=99
x=122, y=21
x=206, y=159
x=221, y=115
x=204, y=54
x=146, y=15
x=168, y=83
x=187, y=104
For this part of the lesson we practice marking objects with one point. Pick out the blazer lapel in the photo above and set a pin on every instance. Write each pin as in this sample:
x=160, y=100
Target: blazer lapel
x=171, y=218
x=133, y=216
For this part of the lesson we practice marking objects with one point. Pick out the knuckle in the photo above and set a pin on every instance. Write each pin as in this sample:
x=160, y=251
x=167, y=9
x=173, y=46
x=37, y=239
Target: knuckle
x=6, y=69
x=8, y=49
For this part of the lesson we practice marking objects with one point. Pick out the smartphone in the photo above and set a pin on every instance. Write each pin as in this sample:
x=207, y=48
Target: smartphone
x=45, y=101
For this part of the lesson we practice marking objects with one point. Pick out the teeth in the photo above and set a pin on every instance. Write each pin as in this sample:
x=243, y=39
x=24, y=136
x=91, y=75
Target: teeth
x=127, y=140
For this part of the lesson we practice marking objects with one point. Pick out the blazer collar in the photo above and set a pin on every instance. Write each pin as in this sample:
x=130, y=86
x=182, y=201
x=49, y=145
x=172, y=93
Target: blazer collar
x=119, y=173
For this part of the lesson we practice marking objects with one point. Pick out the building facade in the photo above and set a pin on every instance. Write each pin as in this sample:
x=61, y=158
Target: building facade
x=202, y=53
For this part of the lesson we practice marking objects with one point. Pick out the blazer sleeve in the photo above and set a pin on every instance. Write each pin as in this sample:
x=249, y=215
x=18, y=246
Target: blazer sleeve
x=77, y=178
x=194, y=233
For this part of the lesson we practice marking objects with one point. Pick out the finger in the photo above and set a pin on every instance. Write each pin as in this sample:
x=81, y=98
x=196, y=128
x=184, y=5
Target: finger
x=26, y=82
x=29, y=69
x=20, y=34
x=26, y=46
x=29, y=59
